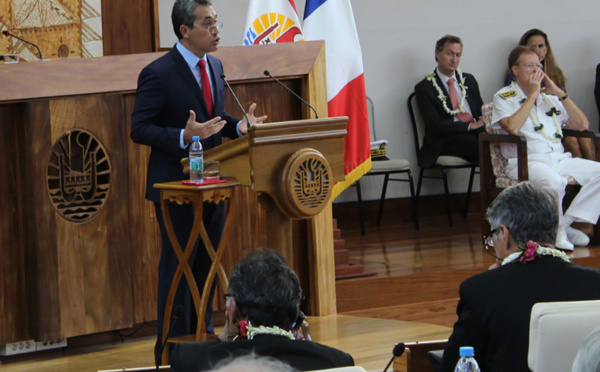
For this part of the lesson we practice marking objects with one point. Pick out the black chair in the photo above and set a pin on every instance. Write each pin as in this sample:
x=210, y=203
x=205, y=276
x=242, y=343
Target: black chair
x=386, y=168
x=442, y=164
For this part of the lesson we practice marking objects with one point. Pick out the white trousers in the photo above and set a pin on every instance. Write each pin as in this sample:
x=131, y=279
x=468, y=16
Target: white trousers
x=550, y=169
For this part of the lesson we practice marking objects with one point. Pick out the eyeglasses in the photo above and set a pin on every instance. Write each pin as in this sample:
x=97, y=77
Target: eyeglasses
x=488, y=243
x=531, y=67
x=211, y=27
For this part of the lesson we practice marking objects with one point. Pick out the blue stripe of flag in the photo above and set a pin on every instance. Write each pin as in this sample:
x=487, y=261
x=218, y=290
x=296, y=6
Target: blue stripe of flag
x=311, y=6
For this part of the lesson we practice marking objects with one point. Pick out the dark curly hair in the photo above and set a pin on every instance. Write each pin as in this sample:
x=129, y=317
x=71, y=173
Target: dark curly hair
x=266, y=289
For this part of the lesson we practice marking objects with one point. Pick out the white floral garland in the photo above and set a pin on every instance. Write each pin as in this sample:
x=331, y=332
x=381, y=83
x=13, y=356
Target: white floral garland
x=541, y=251
x=537, y=126
x=442, y=96
x=262, y=330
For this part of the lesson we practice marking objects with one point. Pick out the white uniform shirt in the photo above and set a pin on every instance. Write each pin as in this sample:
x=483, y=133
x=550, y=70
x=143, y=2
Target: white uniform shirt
x=507, y=101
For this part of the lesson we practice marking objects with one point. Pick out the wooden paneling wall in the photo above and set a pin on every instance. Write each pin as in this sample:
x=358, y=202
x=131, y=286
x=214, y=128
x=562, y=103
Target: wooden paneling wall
x=101, y=275
x=127, y=26
x=13, y=303
x=81, y=269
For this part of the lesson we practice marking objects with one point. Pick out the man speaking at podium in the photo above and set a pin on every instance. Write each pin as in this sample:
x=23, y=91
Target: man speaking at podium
x=181, y=95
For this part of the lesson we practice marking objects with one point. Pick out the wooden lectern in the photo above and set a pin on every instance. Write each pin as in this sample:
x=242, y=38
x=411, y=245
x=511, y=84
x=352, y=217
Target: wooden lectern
x=293, y=167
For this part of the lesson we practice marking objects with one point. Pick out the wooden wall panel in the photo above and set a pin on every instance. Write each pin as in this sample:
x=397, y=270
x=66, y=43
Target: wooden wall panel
x=37, y=223
x=15, y=320
x=145, y=238
x=127, y=27
x=83, y=268
x=84, y=278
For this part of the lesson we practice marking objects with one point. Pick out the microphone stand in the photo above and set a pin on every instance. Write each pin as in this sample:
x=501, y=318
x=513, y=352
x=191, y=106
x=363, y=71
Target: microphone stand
x=7, y=33
x=267, y=73
x=236, y=99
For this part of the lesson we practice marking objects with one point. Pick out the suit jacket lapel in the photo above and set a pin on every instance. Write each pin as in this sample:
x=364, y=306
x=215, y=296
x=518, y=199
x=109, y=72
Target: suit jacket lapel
x=444, y=89
x=186, y=74
x=216, y=71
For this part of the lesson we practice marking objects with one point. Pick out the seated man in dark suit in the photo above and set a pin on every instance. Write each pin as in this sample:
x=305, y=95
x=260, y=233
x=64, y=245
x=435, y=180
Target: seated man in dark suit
x=450, y=104
x=597, y=88
x=495, y=306
x=262, y=306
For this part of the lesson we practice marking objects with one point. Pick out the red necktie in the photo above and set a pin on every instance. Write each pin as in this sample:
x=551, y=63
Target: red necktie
x=462, y=116
x=206, y=91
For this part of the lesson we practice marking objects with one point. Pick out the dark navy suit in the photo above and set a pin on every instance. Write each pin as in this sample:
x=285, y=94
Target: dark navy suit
x=444, y=136
x=167, y=91
x=495, y=308
x=301, y=355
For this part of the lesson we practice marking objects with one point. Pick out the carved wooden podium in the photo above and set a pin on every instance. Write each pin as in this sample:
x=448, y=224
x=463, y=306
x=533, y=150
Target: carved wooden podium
x=293, y=167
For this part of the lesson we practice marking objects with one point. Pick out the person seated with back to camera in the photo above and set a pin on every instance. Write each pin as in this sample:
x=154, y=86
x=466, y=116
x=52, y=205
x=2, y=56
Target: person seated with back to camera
x=263, y=307
x=494, y=309
x=588, y=356
x=525, y=109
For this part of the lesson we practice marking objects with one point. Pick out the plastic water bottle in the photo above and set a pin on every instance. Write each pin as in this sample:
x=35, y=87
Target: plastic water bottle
x=467, y=362
x=196, y=161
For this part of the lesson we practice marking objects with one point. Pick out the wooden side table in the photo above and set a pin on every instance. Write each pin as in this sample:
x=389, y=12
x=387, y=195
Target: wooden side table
x=196, y=195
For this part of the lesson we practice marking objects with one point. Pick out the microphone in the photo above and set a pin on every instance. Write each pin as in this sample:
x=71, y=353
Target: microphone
x=7, y=33
x=267, y=73
x=398, y=350
x=236, y=99
x=174, y=317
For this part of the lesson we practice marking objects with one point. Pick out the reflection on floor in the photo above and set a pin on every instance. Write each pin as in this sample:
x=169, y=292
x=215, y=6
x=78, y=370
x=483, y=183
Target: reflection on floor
x=413, y=297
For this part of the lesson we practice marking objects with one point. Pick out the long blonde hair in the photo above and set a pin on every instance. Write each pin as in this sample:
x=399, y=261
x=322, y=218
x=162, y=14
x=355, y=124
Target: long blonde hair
x=550, y=67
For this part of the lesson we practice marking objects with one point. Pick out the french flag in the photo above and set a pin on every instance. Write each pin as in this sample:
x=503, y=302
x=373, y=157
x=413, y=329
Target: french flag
x=333, y=21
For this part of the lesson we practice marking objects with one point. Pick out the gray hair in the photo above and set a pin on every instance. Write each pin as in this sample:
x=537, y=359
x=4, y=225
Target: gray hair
x=252, y=363
x=266, y=289
x=183, y=14
x=588, y=357
x=529, y=212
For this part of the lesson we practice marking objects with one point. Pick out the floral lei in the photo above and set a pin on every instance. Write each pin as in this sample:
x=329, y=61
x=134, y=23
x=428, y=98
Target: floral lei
x=442, y=96
x=532, y=250
x=248, y=331
x=537, y=126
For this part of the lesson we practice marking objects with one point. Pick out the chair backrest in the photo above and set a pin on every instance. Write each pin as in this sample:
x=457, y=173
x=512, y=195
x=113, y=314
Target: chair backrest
x=498, y=161
x=418, y=123
x=371, y=114
x=556, y=332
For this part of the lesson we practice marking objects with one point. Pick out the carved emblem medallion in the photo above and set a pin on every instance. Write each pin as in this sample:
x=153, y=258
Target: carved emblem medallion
x=78, y=176
x=307, y=183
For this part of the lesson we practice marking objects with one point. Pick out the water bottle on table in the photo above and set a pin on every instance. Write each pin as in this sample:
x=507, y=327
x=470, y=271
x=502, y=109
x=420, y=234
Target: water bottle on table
x=467, y=362
x=196, y=161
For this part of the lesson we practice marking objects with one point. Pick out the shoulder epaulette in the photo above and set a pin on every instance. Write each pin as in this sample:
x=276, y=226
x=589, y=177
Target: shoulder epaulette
x=507, y=95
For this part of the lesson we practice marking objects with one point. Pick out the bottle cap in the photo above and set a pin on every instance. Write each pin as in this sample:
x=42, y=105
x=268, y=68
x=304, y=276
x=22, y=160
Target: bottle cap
x=196, y=138
x=467, y=351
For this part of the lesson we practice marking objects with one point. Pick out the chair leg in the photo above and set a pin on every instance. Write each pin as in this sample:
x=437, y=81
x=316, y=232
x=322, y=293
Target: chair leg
x=360, y=209
x=448, y=204
x=382, y=200
x=469, y=192
x=415, y=215
x=419, y=182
